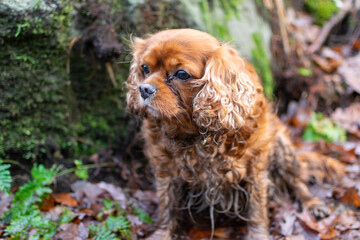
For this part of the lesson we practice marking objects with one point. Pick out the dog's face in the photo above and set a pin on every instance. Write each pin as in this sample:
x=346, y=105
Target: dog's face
x=186, y=75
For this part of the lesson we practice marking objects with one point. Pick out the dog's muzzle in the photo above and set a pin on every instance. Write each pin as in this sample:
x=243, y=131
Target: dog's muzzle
x=147, y=90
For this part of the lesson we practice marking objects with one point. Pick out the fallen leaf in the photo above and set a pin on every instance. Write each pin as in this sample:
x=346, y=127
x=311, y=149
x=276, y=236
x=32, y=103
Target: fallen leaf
x=116, y=192
x=94, y=158
x=350, y=70
x=48, y=203
x=71, y=231
x=329, y=234
x=308, y=221
x=85, y=189
x=356, y=45
x=349, y=118
x=295, y=237
x=323, y=63
x=351, y=196
x=65, y=199
x=5, y=201
x=199, y=234
x=287, y=226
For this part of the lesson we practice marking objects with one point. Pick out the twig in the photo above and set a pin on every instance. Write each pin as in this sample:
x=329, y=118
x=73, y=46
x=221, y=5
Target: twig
x=316, y=45
x=89, y=166
x=111, y=74
x=282, y=24
x=15, y=163
x=70, y=46
x=82, y=140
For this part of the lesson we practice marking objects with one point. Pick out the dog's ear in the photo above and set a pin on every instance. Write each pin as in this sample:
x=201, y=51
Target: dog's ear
x=135, y=75
x=230, y=92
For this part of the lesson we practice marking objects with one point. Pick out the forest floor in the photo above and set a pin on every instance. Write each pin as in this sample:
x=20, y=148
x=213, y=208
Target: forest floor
x=128, y=189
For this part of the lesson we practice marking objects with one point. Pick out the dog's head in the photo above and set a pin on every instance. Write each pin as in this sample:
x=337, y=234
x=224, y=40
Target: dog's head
x=188, y=76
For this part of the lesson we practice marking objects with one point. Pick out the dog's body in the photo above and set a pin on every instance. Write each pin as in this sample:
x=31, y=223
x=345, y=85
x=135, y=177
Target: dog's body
x=210, y=133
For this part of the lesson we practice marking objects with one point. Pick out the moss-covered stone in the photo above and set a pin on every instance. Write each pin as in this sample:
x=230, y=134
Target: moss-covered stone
x=46, y=113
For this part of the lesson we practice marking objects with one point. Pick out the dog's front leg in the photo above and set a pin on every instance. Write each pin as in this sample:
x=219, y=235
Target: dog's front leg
x=258, y=228
x=168, y=222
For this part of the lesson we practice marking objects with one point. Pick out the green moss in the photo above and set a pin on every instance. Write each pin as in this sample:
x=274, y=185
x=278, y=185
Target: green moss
x=46, y=112
x=33, y=106
x=217, y=26
x=322, y=10
x=33, y=18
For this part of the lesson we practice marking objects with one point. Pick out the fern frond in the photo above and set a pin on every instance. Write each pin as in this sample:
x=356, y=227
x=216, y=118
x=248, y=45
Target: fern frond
x=5, y=177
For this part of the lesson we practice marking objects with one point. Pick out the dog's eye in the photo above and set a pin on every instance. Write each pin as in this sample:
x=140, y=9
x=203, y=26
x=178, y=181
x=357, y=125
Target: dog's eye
x=182, y=75
x=145, y=68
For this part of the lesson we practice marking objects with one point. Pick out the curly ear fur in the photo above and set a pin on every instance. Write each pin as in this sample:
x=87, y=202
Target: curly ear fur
x=230, y=91
x=134, y=78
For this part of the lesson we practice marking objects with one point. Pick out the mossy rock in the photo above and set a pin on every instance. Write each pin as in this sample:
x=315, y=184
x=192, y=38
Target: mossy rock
x=45, y=112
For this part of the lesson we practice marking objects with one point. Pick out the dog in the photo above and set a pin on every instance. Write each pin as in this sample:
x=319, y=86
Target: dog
x=211, y=135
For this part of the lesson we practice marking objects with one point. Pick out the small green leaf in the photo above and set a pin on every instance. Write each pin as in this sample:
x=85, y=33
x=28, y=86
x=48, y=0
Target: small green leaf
x=117, y=223
x=100, y=232
x=323, y=128
x=67, y=216
x=307, y=72
x=108, y=204
x=80, y=171
x=143, y=216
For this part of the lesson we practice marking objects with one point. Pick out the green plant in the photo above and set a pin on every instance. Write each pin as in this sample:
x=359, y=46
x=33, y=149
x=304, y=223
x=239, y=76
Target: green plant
x=118, y=223
x=81, y=171
x=306, y=72
x=100, y=232
x=323, y=128
x=5, y=178
x=25, y=213
x=322, y=10
x=262, y=65
x=113, y=224
x=143, y=216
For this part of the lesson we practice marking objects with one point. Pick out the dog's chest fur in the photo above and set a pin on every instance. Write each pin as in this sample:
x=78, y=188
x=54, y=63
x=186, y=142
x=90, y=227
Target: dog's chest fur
x=212, y=172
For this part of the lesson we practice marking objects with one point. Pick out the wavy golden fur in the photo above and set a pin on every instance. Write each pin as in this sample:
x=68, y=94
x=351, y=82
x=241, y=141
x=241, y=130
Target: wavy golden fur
x=214, y=143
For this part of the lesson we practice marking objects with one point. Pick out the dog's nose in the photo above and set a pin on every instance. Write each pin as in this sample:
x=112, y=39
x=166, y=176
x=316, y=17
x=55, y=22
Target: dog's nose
x=147, y=89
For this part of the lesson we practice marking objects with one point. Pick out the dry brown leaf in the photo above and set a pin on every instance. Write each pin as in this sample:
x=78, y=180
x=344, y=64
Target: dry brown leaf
x=356, y=45
x=5, y=201
x=116, y=193
x=351, y=196
x=323, y=63
x=94, y=158
x=71, y=231
x=349, y=118
x=199, y=234
x=48, y=203
x=65, y=199
x=350, y=70
x=295, y=237
x=84, y=189
x=331, y=234
x=222, y=233
x=308, y=221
